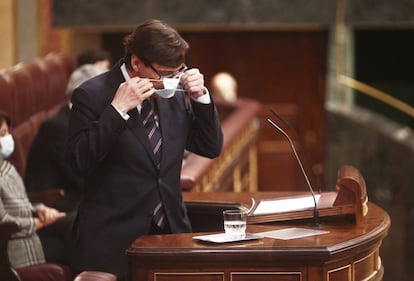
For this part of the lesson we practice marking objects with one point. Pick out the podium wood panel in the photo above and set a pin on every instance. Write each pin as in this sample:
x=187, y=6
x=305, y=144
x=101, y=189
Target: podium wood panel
x=348, y=252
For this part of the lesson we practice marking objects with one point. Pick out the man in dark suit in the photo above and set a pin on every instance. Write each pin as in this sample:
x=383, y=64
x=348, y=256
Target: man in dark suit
x=129, y=182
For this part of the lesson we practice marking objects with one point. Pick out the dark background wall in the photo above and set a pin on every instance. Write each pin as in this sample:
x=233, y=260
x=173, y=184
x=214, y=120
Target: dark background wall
x=130, y=12
x=377, y=13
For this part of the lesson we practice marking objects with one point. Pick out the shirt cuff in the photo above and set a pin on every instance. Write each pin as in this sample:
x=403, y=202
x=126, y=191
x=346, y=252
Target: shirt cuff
x=205, y=99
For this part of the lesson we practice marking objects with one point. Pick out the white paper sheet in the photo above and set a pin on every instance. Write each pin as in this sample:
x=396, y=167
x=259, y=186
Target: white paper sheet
x=291, y=233
x=285, y=205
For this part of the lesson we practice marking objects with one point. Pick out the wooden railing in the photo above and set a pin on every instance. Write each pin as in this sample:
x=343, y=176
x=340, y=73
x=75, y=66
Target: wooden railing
x=236, y=168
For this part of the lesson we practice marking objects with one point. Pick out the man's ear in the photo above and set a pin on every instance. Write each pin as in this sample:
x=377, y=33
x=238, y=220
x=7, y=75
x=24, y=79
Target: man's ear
x=135, y=63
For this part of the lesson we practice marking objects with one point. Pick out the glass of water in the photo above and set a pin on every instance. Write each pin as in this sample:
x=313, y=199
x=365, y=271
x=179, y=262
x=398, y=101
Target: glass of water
x=235, y=223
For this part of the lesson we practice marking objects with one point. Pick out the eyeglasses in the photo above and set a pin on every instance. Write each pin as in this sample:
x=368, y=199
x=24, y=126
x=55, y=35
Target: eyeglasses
x=169, y=74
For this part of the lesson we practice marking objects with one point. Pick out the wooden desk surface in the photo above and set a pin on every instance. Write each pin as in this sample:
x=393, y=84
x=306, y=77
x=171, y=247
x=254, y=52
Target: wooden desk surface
x=347, y=252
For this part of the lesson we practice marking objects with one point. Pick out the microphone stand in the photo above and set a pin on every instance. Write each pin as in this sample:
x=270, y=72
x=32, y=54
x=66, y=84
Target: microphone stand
x=296, y=136
x=315, y=209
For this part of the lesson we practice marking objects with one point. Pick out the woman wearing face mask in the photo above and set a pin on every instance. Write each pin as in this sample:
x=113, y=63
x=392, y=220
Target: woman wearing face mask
x=24, y=248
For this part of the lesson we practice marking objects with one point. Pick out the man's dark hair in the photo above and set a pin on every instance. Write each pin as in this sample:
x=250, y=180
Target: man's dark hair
x=5, y=117
x=155, y=42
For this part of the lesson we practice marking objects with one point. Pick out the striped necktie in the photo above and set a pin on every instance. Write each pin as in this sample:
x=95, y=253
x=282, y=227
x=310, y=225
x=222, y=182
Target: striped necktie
x=153, y=132
x=154, y=135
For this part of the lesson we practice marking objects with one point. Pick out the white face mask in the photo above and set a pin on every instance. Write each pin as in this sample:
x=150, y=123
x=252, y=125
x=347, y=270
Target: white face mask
x=7, y=145
x=170, y=86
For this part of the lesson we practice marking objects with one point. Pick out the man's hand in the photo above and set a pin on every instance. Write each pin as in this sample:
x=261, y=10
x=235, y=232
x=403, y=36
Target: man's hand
x=131, y=93
x=193, y=82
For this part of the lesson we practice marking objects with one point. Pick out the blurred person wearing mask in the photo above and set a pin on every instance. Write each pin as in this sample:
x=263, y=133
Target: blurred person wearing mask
x=25, y=247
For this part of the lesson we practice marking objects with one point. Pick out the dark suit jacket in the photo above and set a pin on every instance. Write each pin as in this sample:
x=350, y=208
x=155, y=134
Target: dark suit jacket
x=46, y=165
x=122, y=181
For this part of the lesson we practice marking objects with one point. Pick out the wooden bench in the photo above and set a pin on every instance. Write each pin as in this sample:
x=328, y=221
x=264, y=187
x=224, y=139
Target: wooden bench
x=29, y=93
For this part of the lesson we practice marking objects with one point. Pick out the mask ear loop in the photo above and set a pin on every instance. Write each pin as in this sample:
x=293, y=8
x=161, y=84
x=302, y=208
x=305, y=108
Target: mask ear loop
x=180, y=85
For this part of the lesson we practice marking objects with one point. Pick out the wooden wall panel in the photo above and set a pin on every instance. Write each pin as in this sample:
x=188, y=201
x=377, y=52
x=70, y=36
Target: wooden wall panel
x=284, y=70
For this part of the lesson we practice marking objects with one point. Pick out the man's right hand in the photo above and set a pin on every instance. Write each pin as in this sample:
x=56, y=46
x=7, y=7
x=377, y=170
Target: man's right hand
x=131, y=93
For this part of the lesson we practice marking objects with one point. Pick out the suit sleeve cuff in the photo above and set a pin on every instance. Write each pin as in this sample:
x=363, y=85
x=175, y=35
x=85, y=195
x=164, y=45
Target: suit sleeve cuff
x=124, y=116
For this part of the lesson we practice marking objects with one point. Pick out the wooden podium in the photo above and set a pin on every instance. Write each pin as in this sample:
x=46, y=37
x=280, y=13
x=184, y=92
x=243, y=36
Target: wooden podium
x=349, y=199
x=349, y=251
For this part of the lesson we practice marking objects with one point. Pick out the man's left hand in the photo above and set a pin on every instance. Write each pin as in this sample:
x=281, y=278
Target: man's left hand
x=193, y=82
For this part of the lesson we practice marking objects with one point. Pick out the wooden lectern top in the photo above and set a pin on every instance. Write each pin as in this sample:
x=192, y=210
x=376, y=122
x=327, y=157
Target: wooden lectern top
x=348, y=251
x=343, y=235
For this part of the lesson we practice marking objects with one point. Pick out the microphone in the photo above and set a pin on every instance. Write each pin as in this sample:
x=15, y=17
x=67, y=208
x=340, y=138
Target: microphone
x=315, y=208
x=306, y=158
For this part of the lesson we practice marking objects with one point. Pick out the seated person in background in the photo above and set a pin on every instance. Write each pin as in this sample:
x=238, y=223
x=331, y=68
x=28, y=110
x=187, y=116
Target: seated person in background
x=46, y=166
x=99, y=58
x=224, y=86
x=47, y=169
x=25, y=248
